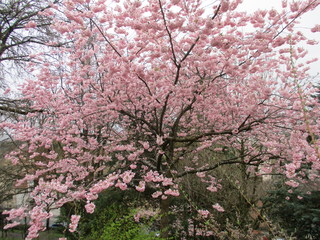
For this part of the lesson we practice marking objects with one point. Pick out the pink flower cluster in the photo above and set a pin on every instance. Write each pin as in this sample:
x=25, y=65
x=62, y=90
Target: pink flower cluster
x=204, y=213
x=90, y=207
x=218, y=207
x=74, y=223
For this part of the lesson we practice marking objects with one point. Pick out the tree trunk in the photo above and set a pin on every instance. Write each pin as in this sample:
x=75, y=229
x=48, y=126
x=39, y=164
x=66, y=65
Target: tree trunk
x=164, y=220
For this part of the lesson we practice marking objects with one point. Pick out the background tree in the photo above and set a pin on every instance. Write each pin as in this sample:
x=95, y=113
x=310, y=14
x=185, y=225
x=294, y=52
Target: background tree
x=148, y=87
x=24, y=30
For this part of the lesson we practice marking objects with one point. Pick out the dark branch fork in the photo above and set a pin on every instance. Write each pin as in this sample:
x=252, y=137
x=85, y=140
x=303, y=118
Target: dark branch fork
x=14, y=106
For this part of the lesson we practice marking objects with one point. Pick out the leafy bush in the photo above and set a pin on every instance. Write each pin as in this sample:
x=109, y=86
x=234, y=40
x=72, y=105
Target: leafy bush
x=114, y=218
x=125, y=228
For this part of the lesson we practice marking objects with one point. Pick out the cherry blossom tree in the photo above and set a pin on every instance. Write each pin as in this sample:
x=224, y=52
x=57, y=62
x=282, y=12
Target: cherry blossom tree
x=147, y=86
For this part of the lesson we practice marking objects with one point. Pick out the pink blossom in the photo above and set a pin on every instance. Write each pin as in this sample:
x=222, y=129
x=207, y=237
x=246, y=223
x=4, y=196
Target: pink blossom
x=291, y=169
x=133, y=166
x=172, y=192
x=316, y=28
x=90, y=207
x=98, y=9
x=18, y=213
x=122, y=186
x=11, y=225
x=156, y=194
x=312, y=42
x=201, y=174
x=272, y=13
x=159, y=140
x=6, y=91
x=224, y=5
x=145, y=145
x=74, y=223
x=284, y=3
x=294, y=7
x=167, y=181
x=212, y=188
x=235, y=131
x=292, y=183
x=204, y=213
x=218, y=207
x=127, y=176
x=152, y=176
x=31, y=24
x=141, y=187
x=89, y=196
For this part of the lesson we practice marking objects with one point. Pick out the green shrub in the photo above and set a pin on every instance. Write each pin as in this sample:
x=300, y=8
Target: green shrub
x=125, y=228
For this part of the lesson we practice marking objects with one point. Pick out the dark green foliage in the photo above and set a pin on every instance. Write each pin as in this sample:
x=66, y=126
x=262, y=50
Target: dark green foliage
x=125, y=228
x=299, y=215
x=113, y=218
